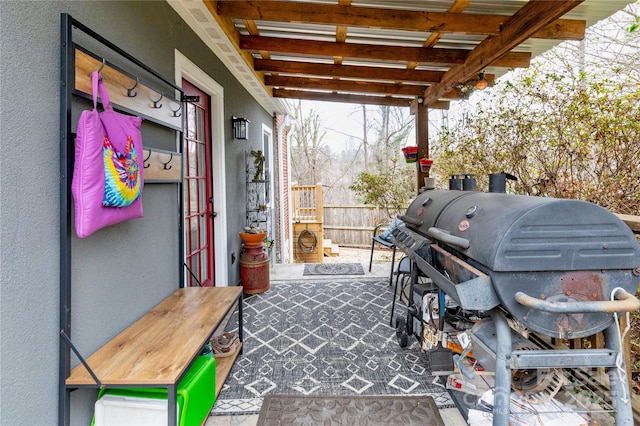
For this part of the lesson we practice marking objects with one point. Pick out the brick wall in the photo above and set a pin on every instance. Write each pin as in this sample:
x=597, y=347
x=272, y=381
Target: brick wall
x=281, y=214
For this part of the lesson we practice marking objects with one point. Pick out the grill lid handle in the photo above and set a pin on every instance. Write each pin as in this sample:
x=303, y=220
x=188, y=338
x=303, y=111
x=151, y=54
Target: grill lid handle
x=410, y=220
x=625, y=302
x=445, y=237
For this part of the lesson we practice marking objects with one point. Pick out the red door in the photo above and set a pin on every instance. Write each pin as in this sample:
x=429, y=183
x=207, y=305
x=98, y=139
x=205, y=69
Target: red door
x=198, y=189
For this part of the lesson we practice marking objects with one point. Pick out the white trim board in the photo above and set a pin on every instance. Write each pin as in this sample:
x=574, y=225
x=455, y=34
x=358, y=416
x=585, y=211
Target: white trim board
x=191, y=72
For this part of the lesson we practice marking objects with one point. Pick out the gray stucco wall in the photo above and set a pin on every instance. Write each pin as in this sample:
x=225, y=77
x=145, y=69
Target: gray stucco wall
x=121, y=271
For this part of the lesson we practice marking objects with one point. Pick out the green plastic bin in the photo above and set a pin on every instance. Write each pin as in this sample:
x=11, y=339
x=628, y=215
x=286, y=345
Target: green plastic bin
x=196, y=392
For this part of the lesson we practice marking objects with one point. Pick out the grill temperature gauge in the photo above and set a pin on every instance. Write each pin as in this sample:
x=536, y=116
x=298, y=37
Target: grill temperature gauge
x=472, y=211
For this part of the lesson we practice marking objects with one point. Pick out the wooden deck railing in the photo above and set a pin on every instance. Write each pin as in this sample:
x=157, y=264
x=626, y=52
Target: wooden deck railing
x=306, y=203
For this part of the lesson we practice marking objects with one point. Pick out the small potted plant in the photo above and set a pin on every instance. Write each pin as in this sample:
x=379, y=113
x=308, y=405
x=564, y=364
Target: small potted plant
x=253, y=235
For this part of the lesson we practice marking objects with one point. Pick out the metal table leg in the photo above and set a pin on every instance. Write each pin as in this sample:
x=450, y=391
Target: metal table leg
x=172, y=403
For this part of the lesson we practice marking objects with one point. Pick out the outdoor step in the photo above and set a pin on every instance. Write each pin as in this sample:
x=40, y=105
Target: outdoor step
x=330, y=249
x=326, y=247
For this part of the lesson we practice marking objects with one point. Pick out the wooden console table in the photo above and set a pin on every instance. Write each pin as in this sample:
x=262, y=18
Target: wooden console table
x=157, y=350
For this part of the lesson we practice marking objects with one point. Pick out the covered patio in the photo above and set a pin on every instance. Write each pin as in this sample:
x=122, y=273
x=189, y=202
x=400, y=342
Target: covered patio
x=66, y=298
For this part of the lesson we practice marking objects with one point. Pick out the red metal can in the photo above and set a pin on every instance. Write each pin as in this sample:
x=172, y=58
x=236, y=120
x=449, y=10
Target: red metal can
x=254, y=269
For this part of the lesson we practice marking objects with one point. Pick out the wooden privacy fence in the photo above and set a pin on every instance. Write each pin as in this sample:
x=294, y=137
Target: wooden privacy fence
x=352, y=225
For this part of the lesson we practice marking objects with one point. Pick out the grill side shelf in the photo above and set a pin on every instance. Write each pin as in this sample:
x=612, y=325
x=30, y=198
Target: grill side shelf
x=468, y=286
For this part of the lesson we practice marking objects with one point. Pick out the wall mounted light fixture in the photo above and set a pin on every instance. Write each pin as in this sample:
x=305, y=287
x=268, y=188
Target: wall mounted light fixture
x=240, y=127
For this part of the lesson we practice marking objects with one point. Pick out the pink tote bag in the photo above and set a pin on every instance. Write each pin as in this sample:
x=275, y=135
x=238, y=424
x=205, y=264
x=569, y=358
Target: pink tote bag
x=108, y=170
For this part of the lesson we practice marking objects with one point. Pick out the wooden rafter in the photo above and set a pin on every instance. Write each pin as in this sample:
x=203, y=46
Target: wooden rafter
x=457, y=7
x=354, y=50
x=227, y=25
x=394, y=19
x=517, y=29
x=341, y=32
x=328, y=84
x=347, y=71
x=352, y=99
x=426, y=55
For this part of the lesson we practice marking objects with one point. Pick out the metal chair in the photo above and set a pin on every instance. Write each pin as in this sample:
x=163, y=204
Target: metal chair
x=404, y=273
x=375, y=239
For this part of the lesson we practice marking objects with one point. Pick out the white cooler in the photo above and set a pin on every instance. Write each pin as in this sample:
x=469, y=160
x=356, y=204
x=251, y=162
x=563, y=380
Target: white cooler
x=112, y=410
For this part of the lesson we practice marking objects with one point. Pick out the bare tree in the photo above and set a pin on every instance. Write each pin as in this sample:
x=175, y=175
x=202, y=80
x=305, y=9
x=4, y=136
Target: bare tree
x=308, y=154
x=393, y=127
x=388, y=181
x=365, y=139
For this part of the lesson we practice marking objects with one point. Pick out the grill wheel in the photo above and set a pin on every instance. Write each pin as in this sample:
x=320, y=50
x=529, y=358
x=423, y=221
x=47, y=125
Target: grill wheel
x=401, y=332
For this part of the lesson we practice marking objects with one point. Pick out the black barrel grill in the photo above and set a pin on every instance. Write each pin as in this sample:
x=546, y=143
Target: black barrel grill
x=559, y=267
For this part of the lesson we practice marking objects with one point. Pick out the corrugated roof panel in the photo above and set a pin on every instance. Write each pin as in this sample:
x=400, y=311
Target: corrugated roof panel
x=433, y=6
x=293, y=30
x=299, y=57
x=411, y=38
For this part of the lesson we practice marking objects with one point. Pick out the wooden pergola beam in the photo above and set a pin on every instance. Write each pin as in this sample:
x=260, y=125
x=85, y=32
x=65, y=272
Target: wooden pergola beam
x=347, y=71
x=426, y=55
x=369, y=17
x=518, y=28
x=344, y=85
x=429, y=55
x=352, y=99
x=333, y=85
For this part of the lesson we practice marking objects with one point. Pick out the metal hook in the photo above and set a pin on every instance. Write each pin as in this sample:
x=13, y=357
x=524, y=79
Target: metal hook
x=166, y=166
x=155, y=103
x=175, y=112
x=100, y=69
x=146, y=166
x=134, y=86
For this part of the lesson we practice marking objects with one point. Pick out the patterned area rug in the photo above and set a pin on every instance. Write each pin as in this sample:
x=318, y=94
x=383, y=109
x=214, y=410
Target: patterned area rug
x=333, y=269
x=323, y=337
x=349, y=410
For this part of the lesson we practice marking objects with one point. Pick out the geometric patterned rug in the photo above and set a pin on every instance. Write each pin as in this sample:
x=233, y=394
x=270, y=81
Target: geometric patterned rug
x=323, y=337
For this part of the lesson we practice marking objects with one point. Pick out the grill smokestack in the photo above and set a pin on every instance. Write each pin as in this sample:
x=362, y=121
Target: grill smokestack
x=498, y=181
x=462, y=182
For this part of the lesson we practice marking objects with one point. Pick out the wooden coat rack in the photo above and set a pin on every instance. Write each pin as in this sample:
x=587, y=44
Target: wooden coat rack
x=131, y=95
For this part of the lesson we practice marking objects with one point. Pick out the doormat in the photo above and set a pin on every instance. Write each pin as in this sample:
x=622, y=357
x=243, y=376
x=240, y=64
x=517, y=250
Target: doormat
x=333, y=269
x=327, y=336
x=348, y=410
